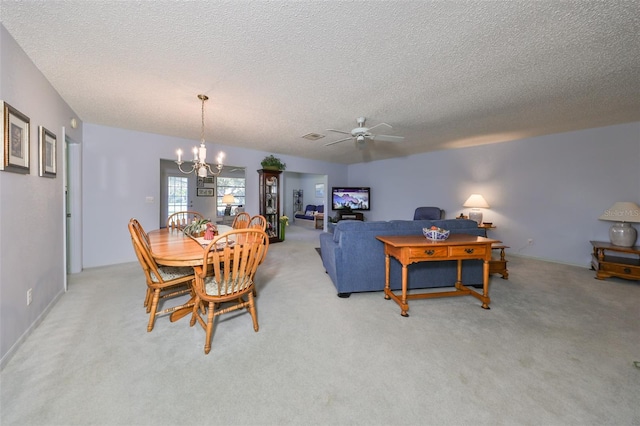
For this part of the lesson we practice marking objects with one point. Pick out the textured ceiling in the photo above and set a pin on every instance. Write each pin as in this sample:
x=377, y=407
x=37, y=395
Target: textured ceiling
x=444, y=74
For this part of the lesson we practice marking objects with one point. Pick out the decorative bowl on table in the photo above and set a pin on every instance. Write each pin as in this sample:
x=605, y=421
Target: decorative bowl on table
x=436, y=234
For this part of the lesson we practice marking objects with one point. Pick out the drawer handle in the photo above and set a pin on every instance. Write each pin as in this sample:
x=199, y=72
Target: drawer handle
x=468, y=250
x=627, y=270
x=429, y=252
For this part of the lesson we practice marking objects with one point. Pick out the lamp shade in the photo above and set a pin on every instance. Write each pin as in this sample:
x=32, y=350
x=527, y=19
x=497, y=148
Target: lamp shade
x=477, y=201
x=228, y=199
x=621, y=232
x=622, y=211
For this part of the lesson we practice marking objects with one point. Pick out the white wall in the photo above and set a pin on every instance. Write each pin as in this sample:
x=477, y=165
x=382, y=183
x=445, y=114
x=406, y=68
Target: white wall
x=551, y=189
x=31, y=207
x=122, y=168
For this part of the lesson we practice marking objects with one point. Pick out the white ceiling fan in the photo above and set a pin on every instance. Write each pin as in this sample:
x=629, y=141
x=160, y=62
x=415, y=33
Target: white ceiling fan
x=360, y=134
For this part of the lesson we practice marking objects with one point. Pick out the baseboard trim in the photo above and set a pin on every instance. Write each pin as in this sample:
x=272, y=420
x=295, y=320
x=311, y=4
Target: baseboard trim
x=11, y=352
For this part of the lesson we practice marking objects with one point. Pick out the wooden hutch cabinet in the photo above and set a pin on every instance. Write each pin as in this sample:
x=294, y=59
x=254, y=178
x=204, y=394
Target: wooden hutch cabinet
x=269, y=189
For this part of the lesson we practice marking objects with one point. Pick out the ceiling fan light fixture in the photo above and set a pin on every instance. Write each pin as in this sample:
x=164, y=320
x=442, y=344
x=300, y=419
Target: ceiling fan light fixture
x=360, y=134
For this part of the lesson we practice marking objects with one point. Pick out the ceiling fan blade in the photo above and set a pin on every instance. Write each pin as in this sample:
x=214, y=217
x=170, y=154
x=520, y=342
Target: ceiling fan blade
x=338, y=141
x=378, y=125
x=387, y=138
x=338, y=131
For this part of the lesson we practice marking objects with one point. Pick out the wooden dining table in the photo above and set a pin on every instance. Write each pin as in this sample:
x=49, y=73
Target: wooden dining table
x=171, y=247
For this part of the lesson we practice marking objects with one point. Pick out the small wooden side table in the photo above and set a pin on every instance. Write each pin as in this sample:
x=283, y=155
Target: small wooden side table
x=496, y=266
x=608, y=265
x=499, y=266
x=319, y=221
x=486, y=227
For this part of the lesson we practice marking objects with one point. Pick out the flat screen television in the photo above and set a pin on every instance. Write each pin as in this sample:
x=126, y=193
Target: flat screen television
x=351, y=198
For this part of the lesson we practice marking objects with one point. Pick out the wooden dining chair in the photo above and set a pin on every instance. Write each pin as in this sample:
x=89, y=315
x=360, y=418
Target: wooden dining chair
x=135, y=226
x=258, y=222
x=241, y=221
x=163, y=282
x=182, y=219
x=225, y=281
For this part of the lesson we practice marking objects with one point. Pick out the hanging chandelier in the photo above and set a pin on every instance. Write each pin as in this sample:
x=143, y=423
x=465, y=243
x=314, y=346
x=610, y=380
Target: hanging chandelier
x=200, y=165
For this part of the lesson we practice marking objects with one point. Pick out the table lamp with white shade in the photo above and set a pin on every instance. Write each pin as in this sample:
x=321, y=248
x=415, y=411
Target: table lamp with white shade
x=476, y=202
x=228, y=199
x=622, y=233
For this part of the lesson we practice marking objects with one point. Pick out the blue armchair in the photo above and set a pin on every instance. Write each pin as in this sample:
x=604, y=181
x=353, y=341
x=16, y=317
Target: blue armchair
x=428, y=213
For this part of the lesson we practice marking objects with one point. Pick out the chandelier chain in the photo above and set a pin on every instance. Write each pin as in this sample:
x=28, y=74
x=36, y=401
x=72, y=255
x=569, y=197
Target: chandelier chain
x=204, y=98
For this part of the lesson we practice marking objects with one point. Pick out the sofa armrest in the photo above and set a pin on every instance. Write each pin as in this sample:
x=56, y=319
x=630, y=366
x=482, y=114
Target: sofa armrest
x=329, y=251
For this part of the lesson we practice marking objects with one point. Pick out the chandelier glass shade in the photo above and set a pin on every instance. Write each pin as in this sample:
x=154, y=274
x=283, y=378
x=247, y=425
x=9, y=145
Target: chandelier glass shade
x=200, y=165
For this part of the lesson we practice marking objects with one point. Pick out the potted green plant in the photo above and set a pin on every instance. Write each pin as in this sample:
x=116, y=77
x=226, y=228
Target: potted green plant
x=196, y=228
x=271, y=162
x=284, y=221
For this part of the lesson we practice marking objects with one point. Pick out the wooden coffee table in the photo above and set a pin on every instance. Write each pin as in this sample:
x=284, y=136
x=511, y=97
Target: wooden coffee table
x=408, y=249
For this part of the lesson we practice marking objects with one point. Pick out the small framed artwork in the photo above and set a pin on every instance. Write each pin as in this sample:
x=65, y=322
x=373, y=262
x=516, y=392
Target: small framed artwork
x=16, y=125
x=206, y=182
x=205, y=192
x=319, y=190
x=47, y=153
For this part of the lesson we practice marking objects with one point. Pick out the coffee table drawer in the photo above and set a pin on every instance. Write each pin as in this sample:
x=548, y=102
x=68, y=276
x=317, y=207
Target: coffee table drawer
x=620, y=269
x=427, y=252
x=471, y=252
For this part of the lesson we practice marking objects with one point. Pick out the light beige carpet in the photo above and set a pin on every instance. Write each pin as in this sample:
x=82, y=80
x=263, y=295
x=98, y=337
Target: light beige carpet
x=556, y=348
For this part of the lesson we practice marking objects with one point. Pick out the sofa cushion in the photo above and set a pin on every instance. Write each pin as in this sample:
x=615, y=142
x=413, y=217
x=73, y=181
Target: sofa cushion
x=358, y=225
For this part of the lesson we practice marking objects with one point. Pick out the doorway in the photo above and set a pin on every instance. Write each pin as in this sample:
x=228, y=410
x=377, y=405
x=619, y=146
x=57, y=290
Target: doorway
x=198, y=196
x=73, y=205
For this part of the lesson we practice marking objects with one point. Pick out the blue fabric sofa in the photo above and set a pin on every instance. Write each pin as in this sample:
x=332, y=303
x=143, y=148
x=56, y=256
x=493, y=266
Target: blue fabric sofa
x=354, y=258
x=309, y=212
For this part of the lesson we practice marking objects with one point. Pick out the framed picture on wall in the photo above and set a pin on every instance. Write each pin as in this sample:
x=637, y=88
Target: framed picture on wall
x=205, y=192
x=15, y=152
x=206, y=182
x=319, y=190
x=47, y=153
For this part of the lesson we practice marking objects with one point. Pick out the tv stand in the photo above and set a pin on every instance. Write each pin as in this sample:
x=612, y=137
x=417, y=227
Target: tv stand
x=342, y=215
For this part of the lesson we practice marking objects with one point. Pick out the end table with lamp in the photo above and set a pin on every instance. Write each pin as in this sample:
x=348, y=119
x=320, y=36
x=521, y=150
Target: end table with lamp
x=623, y=213
x=620, y=257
